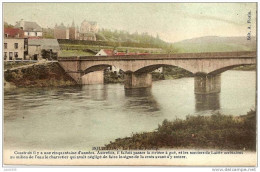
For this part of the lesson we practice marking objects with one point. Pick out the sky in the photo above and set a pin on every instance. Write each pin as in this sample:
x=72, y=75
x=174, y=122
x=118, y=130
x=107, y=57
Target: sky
x=173, y=22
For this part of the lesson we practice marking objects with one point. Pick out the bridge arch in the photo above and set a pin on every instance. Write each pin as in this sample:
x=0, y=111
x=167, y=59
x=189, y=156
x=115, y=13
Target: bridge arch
x=98, y=67
x=223, y=69
x=94, y=74
x=152, y=67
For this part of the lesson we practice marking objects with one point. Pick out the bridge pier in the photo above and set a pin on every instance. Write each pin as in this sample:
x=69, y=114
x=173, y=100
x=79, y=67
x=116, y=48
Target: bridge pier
x=207, y=84
x=91, y=78
x=141, y=80
x=207, y=102
x=77, y=76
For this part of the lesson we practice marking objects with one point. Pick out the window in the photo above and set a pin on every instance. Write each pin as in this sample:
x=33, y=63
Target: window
x=16, y=54
x=10, y=55
x=16, y=45
x=5, y=45
x=5, y=55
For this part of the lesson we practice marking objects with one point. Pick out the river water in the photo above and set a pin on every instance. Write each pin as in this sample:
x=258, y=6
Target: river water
x=93, y=115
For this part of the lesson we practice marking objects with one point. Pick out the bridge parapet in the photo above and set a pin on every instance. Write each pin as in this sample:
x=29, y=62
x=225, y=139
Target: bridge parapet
x=207, y=55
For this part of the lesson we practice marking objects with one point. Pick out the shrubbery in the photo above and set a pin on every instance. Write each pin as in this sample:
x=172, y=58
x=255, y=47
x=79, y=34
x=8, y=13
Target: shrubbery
x=215, y=131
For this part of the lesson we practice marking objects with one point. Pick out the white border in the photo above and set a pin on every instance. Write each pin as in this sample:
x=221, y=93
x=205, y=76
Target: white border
x=115, y=168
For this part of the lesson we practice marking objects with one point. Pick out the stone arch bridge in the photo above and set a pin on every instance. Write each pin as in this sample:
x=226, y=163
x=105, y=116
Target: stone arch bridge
x=206, y=67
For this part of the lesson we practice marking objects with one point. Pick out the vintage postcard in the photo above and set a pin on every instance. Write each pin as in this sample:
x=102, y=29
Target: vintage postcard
x=158, y=84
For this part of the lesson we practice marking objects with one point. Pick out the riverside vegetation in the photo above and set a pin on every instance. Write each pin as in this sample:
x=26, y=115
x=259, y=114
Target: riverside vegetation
x=168, y=73
x=217, y=131
x=38, y=75
x=171, y=72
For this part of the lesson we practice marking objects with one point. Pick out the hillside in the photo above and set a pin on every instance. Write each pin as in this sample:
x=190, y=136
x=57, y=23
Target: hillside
x=121, y=36
x=215, y=44
x=144, y=43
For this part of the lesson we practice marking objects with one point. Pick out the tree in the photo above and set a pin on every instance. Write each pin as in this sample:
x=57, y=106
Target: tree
x=6, y=25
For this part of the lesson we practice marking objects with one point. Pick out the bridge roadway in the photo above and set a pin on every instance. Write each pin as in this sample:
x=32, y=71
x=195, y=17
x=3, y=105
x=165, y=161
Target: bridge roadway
x=206, y=67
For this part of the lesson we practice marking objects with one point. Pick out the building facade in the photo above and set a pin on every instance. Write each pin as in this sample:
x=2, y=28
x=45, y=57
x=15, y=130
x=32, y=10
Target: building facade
x=36, y=47
x=15, y=48
x=61, y=32
x=31, y=29
x=88, y=30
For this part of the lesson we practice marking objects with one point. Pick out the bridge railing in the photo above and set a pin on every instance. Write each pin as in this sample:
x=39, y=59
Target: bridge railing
x=239, y=54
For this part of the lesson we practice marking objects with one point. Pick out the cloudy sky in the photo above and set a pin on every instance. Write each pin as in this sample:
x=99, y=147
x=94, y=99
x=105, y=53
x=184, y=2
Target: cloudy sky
x=172, y=21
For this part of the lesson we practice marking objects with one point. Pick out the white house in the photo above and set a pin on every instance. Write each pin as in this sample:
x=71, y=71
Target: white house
x=31, y=29
x=104, y=52
x=159, y=70
x=14, y=48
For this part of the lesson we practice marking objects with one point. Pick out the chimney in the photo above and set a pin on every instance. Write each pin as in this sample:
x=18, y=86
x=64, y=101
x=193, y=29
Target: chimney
x=22, y=24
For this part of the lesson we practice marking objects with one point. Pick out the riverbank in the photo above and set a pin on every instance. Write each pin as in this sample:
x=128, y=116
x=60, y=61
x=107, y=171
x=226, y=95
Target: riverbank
x=171, y=72
x=48, y=74
x=10, y=65
x=111, y=77
x=216, y=131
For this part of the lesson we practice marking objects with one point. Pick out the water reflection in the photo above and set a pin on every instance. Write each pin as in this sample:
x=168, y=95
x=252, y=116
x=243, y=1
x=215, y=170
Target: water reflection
x=141, y=99
x=95, y=92
x=94, y=115
x=207, y=102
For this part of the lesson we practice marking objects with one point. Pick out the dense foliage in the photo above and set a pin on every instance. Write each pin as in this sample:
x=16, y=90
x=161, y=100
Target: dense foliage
x=215, y=131
x=48, y=54
x=113, y=77
x=106, y=37
x=171, y=72
x=124, y=36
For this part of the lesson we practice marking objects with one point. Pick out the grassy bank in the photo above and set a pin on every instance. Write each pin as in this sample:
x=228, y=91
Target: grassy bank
x=66, y=53
x=77, y=47
x=9, y=65
x=216, y=131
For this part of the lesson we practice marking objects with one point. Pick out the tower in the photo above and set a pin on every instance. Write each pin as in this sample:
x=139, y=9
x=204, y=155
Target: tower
x=72, y=31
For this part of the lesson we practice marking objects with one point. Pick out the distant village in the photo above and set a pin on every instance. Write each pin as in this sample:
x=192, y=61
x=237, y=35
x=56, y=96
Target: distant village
x=27, y=40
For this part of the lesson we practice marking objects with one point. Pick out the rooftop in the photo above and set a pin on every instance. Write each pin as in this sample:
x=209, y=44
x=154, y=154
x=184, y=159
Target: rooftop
x=14, y=32
x=28, y=26
x=45, y=43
